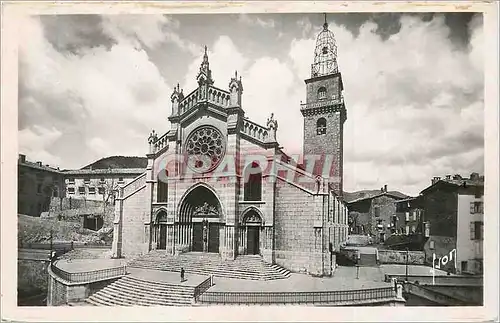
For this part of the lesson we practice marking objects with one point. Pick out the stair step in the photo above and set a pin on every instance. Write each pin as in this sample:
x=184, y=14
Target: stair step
x=244, y=267
x=149, y=293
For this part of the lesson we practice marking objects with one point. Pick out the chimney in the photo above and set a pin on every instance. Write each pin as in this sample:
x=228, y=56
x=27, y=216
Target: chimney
x=39, y=163
x=22, y=158
x=435, y=180
x=448, y=177
x=385, y=188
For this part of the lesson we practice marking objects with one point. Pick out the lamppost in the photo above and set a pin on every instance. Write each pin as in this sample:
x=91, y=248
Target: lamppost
x=51, y=238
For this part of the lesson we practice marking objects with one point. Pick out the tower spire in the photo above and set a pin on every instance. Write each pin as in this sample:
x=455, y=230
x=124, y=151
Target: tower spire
x=205, y=74
x=325, y=53
x=205, y=56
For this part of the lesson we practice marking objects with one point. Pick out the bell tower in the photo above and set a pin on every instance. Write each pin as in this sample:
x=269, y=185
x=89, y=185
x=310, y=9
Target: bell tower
x=324, y=112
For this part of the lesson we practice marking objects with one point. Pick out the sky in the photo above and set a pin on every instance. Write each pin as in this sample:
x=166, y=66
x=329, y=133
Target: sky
x=92, y=86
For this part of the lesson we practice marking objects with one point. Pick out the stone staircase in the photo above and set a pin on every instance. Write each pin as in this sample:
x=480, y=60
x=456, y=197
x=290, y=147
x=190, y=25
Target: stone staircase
x=130, y=291
x=243, y=267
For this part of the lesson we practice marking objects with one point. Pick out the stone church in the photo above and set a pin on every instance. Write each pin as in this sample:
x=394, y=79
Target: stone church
x=219, y=182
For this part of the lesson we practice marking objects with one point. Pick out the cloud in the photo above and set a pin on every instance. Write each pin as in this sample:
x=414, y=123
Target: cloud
x=219, y=54
x=414, y=99
x=414, y=102
x=306, y=26
x=253, y=20
x=269, y=85
x=102, y=95
x=36, y=141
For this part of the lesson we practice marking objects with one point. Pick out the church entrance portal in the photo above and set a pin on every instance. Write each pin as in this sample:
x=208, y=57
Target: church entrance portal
x=160, y=230
x=163, y=237
x=253, y=223
x=199, y=221
x=253, y=240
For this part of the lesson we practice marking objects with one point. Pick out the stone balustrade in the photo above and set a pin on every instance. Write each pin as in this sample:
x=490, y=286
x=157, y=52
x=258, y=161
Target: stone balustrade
x=218, y=97
x=255, y=131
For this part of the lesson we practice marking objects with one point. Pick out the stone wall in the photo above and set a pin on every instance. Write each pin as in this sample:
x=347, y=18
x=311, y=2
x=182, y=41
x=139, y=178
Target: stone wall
x=32, y=277
x=57, y=294
x=61, y=293
x=134, y=214
x=297, y=245
x=73, y=209
x=399, y=257
x=387, y=209
x=442, y=246
x=441, y=211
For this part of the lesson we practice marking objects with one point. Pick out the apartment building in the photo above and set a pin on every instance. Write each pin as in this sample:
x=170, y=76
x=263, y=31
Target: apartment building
x=453, y=209
x=37, y=184
x=97, y=184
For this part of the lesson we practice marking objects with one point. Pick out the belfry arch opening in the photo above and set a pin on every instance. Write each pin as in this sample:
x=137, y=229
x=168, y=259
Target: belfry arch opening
x=321, y=126
x=199, y=221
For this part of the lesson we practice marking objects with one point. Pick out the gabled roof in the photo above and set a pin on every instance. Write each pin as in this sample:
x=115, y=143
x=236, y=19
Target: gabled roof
x=39, y=167
x=457, y=183
x=409, y=199
x=395, y=194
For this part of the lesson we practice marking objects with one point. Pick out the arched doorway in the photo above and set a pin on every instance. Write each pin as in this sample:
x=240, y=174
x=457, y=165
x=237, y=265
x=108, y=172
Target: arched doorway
x=253, y=223
x=161, y=224
x=198, y=226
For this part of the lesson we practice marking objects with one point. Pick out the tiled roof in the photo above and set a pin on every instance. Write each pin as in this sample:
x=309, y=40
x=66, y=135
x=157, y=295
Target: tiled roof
x=395, y=194
x=457, y=183
x=36, y=166
x=103, y=171
x=406, y=199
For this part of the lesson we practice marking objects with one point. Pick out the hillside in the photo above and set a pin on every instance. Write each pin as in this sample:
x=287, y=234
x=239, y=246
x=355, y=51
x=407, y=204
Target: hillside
x=119, y=162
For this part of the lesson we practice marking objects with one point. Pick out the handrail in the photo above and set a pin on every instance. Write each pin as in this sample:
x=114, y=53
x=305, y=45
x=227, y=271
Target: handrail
x=202, y=287
x=65, y=246
x=298, y=297
x=89, y=276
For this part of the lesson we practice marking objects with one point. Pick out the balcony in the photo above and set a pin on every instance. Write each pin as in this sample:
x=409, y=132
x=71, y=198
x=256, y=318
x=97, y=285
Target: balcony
x=322, y=103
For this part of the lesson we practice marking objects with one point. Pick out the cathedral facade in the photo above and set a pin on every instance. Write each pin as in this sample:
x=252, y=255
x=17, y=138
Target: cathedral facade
x=218, y=182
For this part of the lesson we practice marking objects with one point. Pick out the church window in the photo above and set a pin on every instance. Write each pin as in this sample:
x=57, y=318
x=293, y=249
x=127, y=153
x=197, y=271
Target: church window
x=162, y=193
x=321, y=126
x=253, y=183
x=322, y=93
x=205, y=146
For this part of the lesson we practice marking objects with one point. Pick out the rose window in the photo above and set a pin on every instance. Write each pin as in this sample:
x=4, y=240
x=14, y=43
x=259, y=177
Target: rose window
x=205, y=149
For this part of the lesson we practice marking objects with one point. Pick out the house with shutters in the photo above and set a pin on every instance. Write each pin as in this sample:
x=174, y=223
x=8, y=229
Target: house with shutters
x=453, y=210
